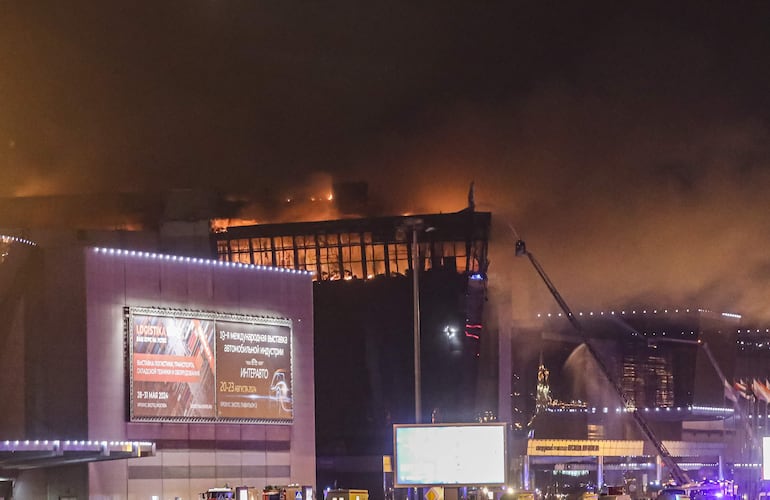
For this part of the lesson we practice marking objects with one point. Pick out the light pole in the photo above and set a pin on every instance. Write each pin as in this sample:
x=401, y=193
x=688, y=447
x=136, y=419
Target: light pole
x=416, y=224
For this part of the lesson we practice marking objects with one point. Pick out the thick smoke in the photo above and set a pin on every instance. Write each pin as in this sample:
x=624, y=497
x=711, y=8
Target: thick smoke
x=622, y=203
x=629, y=149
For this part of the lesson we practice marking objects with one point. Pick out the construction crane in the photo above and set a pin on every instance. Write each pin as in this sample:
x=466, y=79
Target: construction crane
x=679, y=475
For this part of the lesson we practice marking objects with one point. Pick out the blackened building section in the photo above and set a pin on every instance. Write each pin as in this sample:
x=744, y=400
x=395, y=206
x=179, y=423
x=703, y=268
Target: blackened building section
x=363, y=318
x=753, y=346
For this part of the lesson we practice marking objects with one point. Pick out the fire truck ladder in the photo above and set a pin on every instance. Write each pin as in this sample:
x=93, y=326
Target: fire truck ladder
x=734, y=396
x=677, y=473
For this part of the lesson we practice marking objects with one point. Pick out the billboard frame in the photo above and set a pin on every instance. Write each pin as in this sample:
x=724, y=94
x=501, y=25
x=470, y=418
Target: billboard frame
x=505, y=465
x=129, y=312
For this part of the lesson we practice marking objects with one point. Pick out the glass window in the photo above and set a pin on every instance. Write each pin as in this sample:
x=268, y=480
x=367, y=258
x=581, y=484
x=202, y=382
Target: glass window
x=329, y=256
x=402, y=258
x=240, y=245
x=263, y=258
x=398, y=258
x=356, y=265
x=306, y=254
x=436, y=254
x=239, y=250
x=352, y=265
x=330, y=264
x=307, y=261
x=476, y=248
x=460, y=256
x=222, y=252
x=262, y=253
x=375, y=260
x=260, y=244
x=285, y=258
x=425, y=260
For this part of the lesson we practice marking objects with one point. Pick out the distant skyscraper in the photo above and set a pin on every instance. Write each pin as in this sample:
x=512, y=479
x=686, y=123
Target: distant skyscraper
x=543, y=393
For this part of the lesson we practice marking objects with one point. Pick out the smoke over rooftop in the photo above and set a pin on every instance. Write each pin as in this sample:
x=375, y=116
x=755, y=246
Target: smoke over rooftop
x=630, y=149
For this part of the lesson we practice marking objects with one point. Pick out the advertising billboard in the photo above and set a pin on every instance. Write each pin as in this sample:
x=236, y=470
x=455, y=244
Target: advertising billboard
x=253, y=370
x=172, y=367
x=449, y=455
x=199, y=366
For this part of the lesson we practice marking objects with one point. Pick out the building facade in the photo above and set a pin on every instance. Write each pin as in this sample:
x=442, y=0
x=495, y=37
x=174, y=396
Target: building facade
x=659, y=358
x=211, y=364
x=669, y=364
x=364, y=323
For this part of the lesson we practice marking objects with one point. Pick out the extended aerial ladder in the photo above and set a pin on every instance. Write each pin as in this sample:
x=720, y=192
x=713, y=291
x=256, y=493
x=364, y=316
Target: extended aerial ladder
x=734, y=396
x=679, y=475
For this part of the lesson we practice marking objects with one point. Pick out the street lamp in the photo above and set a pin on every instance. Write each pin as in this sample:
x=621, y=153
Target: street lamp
x=415, y=224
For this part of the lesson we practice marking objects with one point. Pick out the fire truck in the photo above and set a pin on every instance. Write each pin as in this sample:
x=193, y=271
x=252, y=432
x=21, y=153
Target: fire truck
x=287, y=492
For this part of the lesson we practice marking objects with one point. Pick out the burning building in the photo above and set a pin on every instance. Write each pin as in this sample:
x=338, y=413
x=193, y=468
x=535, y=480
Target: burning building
x=363, y=270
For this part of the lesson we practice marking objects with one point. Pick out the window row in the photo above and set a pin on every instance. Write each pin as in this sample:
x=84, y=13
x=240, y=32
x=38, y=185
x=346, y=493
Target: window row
x=349, y=255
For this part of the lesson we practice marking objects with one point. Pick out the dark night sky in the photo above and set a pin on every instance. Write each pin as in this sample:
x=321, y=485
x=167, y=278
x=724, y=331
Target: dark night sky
x=629, y=146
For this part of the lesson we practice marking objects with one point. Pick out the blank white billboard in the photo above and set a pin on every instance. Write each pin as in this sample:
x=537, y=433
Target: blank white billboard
x=449, y=455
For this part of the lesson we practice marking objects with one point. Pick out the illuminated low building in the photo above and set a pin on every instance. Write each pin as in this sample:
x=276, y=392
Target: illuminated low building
x=667, y=361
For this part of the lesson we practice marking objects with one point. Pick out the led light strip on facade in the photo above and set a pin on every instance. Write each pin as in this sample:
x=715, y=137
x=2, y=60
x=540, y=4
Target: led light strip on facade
x=643, y=311
x=74, y=444
x=209, y=315
x=196, y=260
x=714, y=409
x=15, y=239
